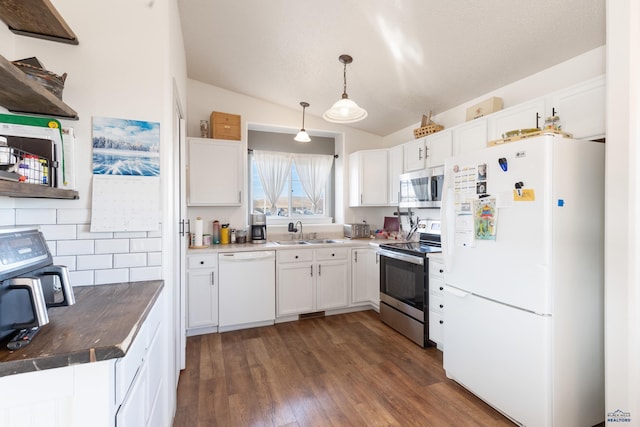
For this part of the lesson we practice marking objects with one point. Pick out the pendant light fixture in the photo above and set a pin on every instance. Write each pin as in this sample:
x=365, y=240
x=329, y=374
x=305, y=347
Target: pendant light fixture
x=345, y=110
x=303, y=136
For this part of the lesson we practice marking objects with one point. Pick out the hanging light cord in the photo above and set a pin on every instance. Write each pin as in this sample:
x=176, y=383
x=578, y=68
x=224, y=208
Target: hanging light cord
x=344, y=90
x=304, y=107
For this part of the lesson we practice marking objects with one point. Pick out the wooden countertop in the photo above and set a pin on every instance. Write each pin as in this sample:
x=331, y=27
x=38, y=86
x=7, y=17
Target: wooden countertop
x=101, y=325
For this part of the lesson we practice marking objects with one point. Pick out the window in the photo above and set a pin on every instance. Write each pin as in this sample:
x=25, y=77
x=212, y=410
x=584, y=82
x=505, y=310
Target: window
x=292, y=202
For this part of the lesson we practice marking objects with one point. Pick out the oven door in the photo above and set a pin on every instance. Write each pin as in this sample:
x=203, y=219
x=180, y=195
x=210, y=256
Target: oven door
x=403, y=280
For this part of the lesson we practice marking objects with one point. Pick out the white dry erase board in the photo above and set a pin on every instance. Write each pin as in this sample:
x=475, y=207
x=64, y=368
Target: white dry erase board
x=125, y=203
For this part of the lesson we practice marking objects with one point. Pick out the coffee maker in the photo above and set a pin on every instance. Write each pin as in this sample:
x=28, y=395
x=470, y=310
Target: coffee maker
x=258, y=228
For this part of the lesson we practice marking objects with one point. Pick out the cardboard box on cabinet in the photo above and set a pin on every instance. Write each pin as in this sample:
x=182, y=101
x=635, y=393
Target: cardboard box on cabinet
x=225, y=126
x=483, y=108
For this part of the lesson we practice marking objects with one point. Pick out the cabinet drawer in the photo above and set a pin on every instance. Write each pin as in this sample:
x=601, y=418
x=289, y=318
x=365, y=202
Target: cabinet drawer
x=202, y=261
x=436, y=302
x=295, y=256
x=328, y=254
x=436, y=328
x=436, y=269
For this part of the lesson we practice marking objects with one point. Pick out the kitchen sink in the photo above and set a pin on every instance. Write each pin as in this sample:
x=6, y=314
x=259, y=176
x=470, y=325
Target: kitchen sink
x=321, y=241
x=290, y=242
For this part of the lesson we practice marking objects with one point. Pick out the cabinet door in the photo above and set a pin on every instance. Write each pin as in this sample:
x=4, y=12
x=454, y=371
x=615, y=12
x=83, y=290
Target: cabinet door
x=368, y=183
x=132, y=411
x=438, y=148
x=332, y=284
x=295, y=289
x=415, y=153
x=522, y=116
x=202, y=298
x=581, y=109
x=215, y=172
x=469, y=137
x=396, y=161
x=365, y=283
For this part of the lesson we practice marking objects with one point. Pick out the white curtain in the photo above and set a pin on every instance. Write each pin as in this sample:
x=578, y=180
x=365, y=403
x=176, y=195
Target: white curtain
x=273, y=171
x=314, y=171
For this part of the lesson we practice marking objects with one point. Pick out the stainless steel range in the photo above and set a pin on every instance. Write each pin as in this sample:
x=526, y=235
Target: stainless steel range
x=404, y=287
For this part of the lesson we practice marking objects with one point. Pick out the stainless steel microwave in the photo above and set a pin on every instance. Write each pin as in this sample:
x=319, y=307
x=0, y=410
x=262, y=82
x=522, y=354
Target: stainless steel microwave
x=421, y=189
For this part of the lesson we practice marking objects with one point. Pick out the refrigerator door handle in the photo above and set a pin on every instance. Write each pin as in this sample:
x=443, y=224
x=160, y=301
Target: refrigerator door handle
x=447, y=221
x=456, y=292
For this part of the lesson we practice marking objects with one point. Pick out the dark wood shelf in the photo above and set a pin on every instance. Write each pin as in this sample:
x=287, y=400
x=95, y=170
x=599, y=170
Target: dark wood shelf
x=19, y=189
x=36, y=18
x=20, y=94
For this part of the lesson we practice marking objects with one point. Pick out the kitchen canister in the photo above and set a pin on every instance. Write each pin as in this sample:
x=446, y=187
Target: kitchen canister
x=241, y=236
x=224, y=234
x=215, y=236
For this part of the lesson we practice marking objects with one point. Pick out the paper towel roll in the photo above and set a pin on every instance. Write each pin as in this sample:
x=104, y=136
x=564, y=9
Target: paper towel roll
x=197, y=241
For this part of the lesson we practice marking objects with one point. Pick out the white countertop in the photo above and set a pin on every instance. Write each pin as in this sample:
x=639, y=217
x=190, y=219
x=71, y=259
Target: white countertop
x=272, y=246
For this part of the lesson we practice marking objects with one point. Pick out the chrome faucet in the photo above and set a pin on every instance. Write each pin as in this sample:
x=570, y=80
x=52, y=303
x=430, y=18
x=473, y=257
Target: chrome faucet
x=293, y=229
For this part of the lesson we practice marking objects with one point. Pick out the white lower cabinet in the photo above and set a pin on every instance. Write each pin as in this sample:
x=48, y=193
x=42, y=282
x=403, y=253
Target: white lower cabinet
x=311, y=280
x=123, y=392
x=365, y=277
x=202, y=294
x=436, y=302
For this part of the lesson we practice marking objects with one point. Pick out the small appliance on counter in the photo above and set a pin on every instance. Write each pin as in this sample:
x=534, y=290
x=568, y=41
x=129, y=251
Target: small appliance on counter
x=29, y=285
x=258, y=228
x=357, y=231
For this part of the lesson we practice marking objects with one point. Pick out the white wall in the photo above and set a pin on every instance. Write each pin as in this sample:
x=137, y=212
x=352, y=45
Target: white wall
x=575, y=70
x=622, y=214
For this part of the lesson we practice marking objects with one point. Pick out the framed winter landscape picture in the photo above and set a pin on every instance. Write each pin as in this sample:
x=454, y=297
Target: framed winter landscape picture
x=125, y=147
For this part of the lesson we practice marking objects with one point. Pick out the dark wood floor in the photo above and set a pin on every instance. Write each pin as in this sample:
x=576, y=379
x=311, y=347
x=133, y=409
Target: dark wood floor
x=343, y=370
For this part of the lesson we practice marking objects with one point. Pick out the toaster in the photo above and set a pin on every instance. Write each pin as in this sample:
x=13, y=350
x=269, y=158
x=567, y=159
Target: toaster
x=357, y=231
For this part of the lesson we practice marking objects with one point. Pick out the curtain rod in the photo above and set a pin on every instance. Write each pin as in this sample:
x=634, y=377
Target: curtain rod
x=250, y=150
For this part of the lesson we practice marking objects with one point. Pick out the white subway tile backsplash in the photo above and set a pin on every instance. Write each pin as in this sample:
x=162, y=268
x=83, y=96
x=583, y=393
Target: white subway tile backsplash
x=112, y=276
x=7, y=217
x=58, y=232
x=81, y=278
x=130, y=260
x=35, y=216
x=84, y=232
x=146, y=245
x=74, y=247
x=93, y=262
x=154, y=258
x=129, y=234
x=112, y=246
x=145, y=273
x=157, y=233
x=74, y=216
x=68, y=261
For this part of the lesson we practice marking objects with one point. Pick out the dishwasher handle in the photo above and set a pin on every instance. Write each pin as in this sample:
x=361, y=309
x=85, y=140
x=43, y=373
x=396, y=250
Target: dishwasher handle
x=246, y=256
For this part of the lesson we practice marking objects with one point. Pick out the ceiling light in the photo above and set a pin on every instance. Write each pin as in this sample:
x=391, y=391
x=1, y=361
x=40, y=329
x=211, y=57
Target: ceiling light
x=303, y=136
x=345, y=110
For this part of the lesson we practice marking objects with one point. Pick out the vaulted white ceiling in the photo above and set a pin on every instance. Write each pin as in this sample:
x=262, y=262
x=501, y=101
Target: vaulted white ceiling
x=409, y=56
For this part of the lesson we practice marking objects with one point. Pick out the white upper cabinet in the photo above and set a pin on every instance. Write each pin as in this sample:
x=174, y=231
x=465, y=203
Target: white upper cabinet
x=581, y=109
x=470, y=136
x=438, y=148
x=415, y=153
x=427, y=152
x=215, y=172
x=396, y=163
x=524, y=116
x=368, y=178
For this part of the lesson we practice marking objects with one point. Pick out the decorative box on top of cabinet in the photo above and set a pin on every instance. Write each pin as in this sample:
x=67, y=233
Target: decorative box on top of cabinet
x=202, y=294
x=215, y=172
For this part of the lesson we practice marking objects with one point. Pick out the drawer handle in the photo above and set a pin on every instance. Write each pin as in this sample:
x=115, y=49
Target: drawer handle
x=441, y=271
x=441, y=322
x=333, y=254
x=441, y=306
x=201, y=262
x=296, y=256
x=441, y=288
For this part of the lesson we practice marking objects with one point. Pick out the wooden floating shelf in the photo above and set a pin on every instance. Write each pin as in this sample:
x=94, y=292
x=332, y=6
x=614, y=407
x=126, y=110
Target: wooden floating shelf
x=20, y=94
x=19, y=189
x=36, y=18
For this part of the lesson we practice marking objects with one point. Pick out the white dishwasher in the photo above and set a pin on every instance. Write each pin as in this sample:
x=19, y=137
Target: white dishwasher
x=247, y=289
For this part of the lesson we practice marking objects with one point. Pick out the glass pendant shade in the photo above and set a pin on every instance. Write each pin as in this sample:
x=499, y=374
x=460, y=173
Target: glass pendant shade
x=345, y=110
x=303, y=136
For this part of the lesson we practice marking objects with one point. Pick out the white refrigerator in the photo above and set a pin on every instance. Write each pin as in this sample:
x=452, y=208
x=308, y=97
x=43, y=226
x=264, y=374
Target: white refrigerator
x=523, y=229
